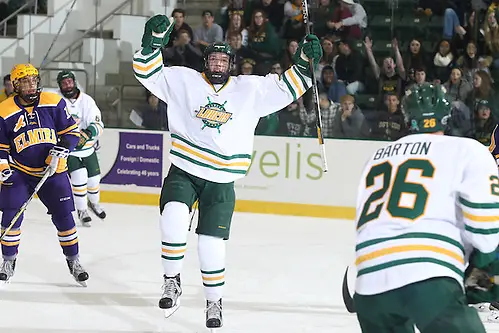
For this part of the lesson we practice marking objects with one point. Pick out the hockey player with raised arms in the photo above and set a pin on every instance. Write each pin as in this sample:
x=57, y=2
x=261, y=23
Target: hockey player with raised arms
x=425, y=203
x=212, y=117
x=37, y=134
x=83, y=163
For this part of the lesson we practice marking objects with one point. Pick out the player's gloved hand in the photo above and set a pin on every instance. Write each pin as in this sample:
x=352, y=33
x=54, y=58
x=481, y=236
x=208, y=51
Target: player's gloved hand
x=479, y=279
x=156, y=33
x=5, y=171
x=57, y=160
x=85, y=135
x=309, y=48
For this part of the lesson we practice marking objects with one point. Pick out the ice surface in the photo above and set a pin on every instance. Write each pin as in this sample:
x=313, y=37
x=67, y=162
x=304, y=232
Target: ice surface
x=283, y=274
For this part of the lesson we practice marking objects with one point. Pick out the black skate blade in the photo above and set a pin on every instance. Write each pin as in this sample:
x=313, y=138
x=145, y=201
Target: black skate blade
x=169, y=312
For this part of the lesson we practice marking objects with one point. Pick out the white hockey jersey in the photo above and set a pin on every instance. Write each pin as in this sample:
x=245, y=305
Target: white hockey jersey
x=88, y=116
x=424, y=202
x=212, y=129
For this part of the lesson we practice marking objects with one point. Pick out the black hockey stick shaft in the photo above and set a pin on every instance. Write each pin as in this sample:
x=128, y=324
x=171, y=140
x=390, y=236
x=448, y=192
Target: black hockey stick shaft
x=320, y=135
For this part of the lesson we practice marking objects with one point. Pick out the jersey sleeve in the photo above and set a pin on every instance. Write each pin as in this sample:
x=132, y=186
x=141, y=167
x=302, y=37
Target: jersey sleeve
x=151, y=73
x=479, y=204
x=66, y=127
x=4, y=143
x=277, y=92
x=94, y=119
x=493, y=148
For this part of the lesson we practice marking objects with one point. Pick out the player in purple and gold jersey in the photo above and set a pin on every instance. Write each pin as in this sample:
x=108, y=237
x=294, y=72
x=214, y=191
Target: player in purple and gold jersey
x=37, y=134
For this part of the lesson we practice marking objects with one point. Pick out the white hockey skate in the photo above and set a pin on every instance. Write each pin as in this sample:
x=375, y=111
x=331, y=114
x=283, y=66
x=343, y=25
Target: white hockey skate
x=77, y=271
x=170, y=298
x=84, y=218
x=214, y=318
x=97, y=210
x=7, y=270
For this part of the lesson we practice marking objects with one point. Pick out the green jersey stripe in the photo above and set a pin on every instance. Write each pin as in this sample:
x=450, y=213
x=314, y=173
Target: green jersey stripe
x=476, y=205
x=297, y=72
x=193, y=161
x=213, y=272
x=146, y=76
x=290, y=87
x=409, y=261
x=419, y=235
x=145, y=61
x=481, y=231
x=206, y=150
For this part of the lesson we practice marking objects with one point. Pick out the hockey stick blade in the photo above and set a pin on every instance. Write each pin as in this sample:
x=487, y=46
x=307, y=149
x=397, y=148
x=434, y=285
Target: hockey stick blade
x=347, y=299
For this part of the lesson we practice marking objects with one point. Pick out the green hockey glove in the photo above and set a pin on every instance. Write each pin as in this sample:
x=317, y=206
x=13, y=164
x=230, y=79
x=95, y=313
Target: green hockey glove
x=309, y=48
x=156, y=33
x=85, y=135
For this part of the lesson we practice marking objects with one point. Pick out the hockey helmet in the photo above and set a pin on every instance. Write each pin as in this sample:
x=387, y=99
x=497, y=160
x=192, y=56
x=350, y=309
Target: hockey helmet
x=218, y=77
x=68, y=91
x=26, y=82
x=427, y=108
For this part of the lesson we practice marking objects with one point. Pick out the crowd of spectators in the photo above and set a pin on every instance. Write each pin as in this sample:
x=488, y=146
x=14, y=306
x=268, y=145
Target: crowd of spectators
x=361, y=89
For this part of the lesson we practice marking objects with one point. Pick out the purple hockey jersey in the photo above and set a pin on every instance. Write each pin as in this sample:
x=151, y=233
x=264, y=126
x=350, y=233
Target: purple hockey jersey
x=493, y=148
x=28, y=133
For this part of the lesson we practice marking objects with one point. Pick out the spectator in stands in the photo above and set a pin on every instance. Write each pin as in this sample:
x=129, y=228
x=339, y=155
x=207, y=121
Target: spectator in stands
x=419, y=77
x=308, y=115
x=484, y=122
x=390, y=80
x=209, y=32
x=349, y=122
x=329, y=54
x=237, y=27
x=293, y=20
x=416, y=57
x=263, y=40
x=348, y=68
x=457, y=88
x=350, y=21
x=452, y=24
x=483, y=90
x=242, y=52
x=290, y=123
x=390, y=123
x=183, y=52
x=329, y=85
x=276, y=68
x=247, y=66
x=491, y=35
x=468, y=62
x=8, y=89
x=443, y=61
x=179, y=15
x=231, y=7
x=289, y=52
x=154, y=115
x=273, y=9
x=322, y=14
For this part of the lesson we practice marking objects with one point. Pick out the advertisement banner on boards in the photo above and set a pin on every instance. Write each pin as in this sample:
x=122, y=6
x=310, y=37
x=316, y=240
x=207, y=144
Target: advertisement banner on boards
x=138, y=161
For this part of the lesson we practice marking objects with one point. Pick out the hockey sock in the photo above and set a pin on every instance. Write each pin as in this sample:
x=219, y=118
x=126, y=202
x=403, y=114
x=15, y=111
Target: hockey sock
x=68, y=236
x=93, y=188
x=211, y=251
x=174, y=224
x=79, y=180
x=10, y=243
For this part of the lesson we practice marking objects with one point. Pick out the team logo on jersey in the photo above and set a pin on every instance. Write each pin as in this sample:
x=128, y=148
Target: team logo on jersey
x=213, y=115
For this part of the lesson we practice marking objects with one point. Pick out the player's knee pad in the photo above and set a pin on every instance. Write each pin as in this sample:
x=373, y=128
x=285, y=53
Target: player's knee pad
x=8, y=215
x=93, y=181
x=79, y=177
x=174, y=221
x=63, y=221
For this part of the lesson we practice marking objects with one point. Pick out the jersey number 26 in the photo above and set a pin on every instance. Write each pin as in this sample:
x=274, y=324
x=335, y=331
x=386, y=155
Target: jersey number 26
x=396, y=189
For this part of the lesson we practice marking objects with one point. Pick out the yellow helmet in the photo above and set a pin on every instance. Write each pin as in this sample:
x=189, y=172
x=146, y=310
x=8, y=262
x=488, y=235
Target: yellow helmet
x=21, y=71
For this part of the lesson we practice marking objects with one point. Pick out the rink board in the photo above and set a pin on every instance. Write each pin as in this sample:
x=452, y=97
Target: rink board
x=285, y=176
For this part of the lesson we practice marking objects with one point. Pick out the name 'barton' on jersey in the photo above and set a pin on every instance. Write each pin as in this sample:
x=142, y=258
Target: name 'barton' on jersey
x=204, y=119
x=424, y=201
x=28, y=133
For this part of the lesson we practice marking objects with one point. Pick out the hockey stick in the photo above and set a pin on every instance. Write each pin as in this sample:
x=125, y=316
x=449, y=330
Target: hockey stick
x=320, y=136
x=347, y=299
x=25, y=205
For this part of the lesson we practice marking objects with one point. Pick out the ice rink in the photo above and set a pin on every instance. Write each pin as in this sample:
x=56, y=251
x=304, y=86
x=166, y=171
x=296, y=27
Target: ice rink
x=283, y=274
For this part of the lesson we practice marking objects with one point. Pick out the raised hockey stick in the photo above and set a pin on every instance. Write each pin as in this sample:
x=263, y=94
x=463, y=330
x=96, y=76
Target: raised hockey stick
x=25, y=205
x=320, y=136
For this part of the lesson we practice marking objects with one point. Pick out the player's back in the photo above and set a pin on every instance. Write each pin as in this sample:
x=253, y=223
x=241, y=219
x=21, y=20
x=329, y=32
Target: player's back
x=409, y=210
